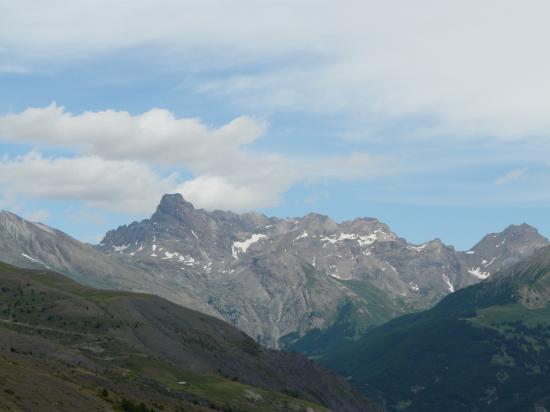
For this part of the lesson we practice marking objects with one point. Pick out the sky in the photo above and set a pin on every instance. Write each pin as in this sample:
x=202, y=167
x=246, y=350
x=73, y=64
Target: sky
x=431, y=116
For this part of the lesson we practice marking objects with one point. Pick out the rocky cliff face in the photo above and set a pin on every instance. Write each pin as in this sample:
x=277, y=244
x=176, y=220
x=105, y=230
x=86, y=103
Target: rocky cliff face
x=498, y=251
x=274, y=277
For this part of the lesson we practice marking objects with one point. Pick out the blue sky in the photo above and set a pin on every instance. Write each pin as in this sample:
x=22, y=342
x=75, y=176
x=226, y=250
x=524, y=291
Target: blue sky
x=430, y=118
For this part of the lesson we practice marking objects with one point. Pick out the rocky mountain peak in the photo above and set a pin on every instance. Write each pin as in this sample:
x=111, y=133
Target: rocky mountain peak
x=521, y=230
x=514, y=236
x=315, y=217
x=497, y=251
x=219, y=257
x=318, y=224
x=175, y=205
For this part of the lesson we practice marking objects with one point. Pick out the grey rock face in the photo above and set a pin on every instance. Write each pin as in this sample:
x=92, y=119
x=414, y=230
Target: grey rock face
x=37, y=246
x=498, y=251
x=273, y=277
x=270, y=277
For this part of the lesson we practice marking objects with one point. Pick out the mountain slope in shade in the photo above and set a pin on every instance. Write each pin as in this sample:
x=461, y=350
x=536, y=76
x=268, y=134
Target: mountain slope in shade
x=485, y=347
x=64, y=346
x=278, y=279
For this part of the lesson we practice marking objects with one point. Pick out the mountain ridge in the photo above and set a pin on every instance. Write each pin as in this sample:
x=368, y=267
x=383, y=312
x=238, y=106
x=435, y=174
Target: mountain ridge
x=254, y=249
x=277, y=279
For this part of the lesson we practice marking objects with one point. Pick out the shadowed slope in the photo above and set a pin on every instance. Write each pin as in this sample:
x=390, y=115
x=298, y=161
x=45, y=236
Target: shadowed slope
x=485, y=347
x=65, y=342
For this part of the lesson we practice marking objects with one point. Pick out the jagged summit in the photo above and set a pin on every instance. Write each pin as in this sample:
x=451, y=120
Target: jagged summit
x=273, y=277
x=175, y=205
x=523, y=230
x=174, y=200
x=497, y=251
x=520, y=232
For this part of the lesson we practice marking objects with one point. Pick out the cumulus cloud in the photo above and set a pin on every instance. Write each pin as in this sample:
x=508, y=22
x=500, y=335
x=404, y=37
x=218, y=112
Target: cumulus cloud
x=155, y=136
x=470, y=68
x=116, y=156
x=109, y=184
x=509, y=177
x=133, y=187
x=217, y=192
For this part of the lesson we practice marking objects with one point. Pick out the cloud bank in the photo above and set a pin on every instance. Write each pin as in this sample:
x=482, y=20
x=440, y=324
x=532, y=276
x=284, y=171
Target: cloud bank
x=119, y=160
x=463, y=67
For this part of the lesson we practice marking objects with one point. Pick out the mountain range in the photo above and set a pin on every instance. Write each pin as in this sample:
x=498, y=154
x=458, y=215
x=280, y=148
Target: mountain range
x=416, y=327
x=285, y=282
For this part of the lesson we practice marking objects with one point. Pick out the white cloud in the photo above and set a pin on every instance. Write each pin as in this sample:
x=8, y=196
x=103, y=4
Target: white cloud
x=154, y=136
x=470, y=67
x=509, y=177
x=133, y=187
x=126, y=186
x=216, y=192
x=116, y=151
x=261, y=182
x=9, y=69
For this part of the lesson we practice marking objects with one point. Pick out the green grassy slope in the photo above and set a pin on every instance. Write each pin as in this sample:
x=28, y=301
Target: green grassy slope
x=484, y=348
x=64, y=346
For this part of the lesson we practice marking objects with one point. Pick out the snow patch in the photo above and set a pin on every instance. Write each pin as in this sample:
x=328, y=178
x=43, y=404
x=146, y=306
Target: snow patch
x=363, y=240
x=194, y=234
x=187, y=260
x=448, y=282
x=414, y=286
x=478, y=273
x=302, y=236
x=418, y=248
x=392, y=268
x=242, y=247
x=139, y=250
x=471, y=252
x=120, y=248
x=168, y=255
x=490, y=263
x=34, y=260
